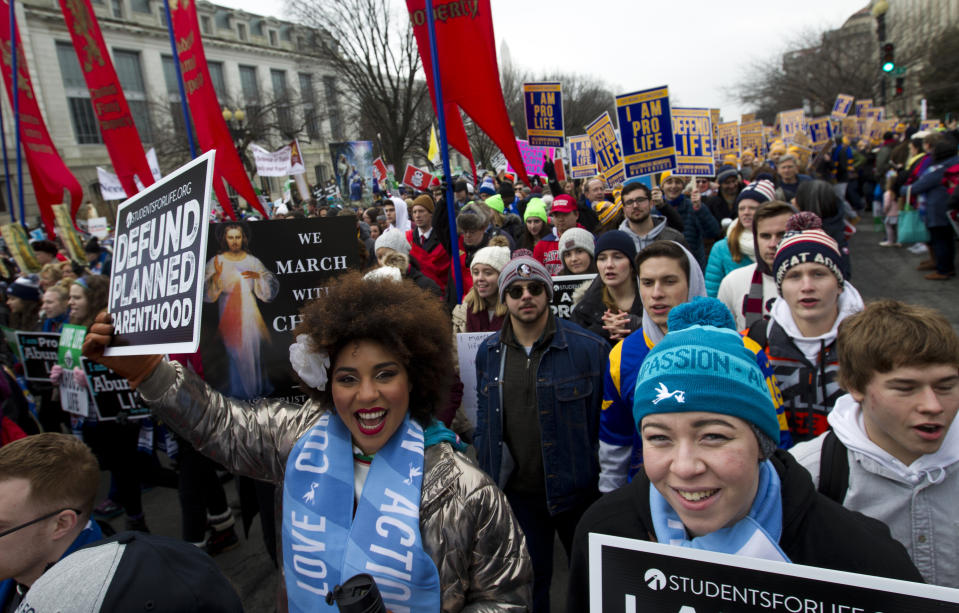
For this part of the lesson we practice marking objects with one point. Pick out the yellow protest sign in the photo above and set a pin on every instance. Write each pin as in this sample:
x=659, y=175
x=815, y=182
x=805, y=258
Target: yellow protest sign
x=792, y=123
x=728, y=142
x=693, y=135
x=645, y=125
x=19, y=247
x=609, y=155
x=841, y=107
x=68, y=234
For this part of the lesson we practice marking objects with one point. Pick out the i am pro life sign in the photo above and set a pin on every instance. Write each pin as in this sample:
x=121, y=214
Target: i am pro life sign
x=544, y=114
x=156, y=282
x=646, y=127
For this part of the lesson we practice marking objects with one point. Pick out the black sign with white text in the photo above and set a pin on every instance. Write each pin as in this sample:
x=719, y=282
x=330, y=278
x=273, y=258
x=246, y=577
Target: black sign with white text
x=112, y=395
x=155, y=281
x=257, y=278
x=627, y=576
x=39, y=353
x=563, y=289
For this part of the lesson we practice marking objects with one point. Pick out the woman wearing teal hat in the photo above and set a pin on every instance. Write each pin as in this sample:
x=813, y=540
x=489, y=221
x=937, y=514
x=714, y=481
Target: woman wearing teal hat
x=713, y=476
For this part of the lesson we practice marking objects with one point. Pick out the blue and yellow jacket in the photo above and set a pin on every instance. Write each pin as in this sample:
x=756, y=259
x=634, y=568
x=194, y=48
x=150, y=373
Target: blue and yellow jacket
x=620, y=447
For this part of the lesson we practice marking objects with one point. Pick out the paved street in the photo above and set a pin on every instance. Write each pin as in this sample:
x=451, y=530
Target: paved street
x=877, y=273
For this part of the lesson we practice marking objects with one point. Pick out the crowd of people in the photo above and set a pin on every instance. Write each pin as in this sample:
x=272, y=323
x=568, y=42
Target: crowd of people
x=719, y=383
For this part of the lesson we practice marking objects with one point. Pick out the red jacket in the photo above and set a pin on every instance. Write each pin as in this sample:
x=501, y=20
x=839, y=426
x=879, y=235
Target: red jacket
x=432, y=258
x=546, y=252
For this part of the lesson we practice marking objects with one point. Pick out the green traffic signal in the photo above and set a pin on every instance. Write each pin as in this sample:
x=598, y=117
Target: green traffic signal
x=888, y=67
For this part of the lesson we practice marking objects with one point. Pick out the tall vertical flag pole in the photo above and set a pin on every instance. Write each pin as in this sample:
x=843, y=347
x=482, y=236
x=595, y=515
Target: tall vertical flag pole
x=445, y=152
x=6, y=170
x=14, y=79
x=179, y=79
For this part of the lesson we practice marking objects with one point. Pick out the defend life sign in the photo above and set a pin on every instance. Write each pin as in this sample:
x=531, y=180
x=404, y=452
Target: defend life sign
x=862, y=107
x=156, y=285
x=627, y=575
x=841, y=107
x=544, y=114
x=693, y=135
x=647, y=129
x=609, y=155
x=582, y=162
x=729, y=138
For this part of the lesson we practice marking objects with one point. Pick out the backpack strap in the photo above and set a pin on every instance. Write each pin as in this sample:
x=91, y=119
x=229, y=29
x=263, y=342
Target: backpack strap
x=833, y=468
x=757, y=333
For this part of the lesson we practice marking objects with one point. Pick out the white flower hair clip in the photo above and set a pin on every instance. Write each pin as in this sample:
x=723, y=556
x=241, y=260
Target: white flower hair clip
x=309, y=364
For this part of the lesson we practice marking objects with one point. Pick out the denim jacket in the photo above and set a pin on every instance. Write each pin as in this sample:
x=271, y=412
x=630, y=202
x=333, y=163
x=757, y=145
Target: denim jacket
x=569, y=391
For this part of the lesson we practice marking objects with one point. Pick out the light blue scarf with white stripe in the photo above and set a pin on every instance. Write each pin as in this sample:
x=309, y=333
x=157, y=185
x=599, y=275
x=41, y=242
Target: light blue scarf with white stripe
x=324, y=543
x=755, y=536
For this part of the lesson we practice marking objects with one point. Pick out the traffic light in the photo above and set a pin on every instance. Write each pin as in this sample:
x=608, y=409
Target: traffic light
x=899, y=86
x=888, y=57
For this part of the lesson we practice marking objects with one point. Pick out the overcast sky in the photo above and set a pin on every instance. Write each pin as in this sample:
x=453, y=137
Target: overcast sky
x=699, y=48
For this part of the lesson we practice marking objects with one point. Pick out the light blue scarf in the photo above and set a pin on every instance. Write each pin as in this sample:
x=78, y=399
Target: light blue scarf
x=324, y=543
x=755, y=536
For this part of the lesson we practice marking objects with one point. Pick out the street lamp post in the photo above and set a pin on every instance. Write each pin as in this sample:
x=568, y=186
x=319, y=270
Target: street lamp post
x=236, y=123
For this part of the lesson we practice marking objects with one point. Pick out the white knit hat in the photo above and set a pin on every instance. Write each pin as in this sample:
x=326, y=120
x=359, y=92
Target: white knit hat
x=494, y=257
x=393, y=239
x=576, y=238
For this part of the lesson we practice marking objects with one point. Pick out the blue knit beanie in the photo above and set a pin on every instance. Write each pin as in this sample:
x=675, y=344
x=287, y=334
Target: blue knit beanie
x=701, y=367
x=618, y=240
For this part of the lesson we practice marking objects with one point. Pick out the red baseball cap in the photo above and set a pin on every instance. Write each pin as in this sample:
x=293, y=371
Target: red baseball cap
x=564, y=203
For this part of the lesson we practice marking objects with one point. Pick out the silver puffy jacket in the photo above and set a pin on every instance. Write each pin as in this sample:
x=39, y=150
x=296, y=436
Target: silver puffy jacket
x=467, y=526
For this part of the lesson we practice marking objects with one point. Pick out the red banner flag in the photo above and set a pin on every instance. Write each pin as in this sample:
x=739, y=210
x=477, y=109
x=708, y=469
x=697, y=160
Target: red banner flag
x=110, y=105
x=211, y=129
x=416, y=178
x=49, y=174
x=468, y=71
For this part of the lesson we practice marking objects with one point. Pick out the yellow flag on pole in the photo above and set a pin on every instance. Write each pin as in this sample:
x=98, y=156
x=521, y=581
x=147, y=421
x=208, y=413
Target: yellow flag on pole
x=433, y=153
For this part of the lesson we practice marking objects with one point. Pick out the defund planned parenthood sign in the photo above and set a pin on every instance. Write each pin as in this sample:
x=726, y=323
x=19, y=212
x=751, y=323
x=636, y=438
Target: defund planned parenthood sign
x=156, y=281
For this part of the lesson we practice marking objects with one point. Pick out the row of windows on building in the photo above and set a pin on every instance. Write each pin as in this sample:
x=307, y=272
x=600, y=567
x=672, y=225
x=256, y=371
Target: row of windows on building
x=86, y=129
x=209, y=25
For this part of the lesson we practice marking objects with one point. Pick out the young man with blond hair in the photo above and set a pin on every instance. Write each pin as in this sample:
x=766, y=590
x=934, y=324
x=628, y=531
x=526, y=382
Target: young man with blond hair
x=891, y=453
x=48, y=485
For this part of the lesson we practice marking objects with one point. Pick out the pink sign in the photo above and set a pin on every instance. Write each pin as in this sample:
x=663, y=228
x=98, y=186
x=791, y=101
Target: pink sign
x=532, y=157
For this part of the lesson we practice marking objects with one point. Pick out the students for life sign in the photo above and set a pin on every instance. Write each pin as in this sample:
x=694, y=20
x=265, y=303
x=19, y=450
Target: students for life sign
x=544, y=114
x=627, y=575
x=156, y=281
x=646, y=126
x=417, y=178
x=693, y=135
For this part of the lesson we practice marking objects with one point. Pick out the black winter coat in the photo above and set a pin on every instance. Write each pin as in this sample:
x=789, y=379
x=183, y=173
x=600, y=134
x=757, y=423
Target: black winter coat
x=588, y=312
x=816, y=531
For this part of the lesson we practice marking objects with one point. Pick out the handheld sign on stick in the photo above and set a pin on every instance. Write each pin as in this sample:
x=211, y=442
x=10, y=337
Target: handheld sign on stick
x=156, y=280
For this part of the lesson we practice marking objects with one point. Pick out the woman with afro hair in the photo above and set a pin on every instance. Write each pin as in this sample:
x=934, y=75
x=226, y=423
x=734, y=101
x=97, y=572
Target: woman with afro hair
x=372, y=482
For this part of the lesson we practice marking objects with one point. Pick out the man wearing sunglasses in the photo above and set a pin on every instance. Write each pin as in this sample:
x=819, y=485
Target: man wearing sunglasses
x=48, y=484
x=540, y=385
x=641, y=223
